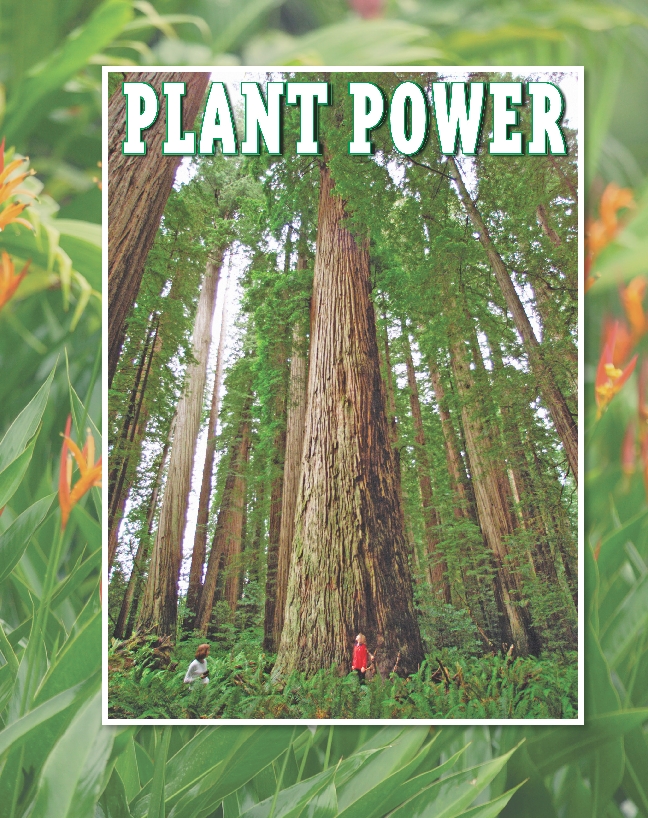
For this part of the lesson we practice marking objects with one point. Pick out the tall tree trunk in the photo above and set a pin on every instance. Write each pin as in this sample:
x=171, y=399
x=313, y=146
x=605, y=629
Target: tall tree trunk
x=229, y=524
x=465, y=503
x=128, y=610
x=138, y=189
x=296, y=418
x=349, y=571
x=127, y=449
x=274, y=528
x=563, y=421
x=200, y=537
x=492, y=506
x=160, y=607
x=438, y=565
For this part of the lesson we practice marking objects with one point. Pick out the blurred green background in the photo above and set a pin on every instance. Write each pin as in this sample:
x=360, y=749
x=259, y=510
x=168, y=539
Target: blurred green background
x=60, y=761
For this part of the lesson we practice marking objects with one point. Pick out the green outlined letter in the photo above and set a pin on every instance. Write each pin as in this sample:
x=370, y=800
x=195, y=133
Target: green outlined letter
x=368, y=113
x=142, y=106
x=217, y=123
x=453, y=118
x=258, y=118
x=398, y=125
x=504, y=142
x=176, y=144
x=311, y=94
x=547, y=107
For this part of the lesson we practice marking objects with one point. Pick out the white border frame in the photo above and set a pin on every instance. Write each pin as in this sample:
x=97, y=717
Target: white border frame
x=437, y=69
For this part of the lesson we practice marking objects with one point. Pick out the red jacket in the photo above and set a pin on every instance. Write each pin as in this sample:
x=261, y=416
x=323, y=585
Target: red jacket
x=359, y=657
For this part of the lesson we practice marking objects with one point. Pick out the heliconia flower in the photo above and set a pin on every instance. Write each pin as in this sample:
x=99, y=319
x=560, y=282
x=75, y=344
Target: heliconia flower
x=601, y=231
x=629, y=449
x=609, y=378
x=90, y=471
x=9, y=187
x=9, y=279
x=632, y=300
x=623, y=339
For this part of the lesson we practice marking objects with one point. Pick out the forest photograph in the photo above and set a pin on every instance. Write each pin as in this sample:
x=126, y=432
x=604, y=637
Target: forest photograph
x=343, y=418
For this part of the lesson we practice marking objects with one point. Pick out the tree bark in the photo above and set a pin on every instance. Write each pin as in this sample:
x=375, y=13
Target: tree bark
x=138, y=188
x=296, y=418
x=127, y=449
x=438, y=566
x=200, y=539
x=493, y=508
x=563, y=421
x=130, y=602
x=350, y=571
x=229, y=524
x=160, y=606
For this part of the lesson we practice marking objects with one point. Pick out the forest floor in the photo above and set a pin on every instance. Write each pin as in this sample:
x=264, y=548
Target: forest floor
x=146, y=681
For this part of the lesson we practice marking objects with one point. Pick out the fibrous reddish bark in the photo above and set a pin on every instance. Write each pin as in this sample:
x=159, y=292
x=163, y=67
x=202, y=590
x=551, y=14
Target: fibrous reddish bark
x=138, y=188
x=349, y=571
x=226, y=543
x=160, y=606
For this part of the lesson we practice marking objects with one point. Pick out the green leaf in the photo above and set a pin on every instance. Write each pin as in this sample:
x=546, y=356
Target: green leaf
x=491, y=808
x=127, y=768
x=14, y=541
x=24, y=725
x=156, y=799
x=13, y=474
x=552, y=749
x=77, y=660
x=627, y=623
x=24, y=426
x=113, y=799
x=106, y=22
x=380, y=766
x=612, y=553
x=448, y=797
x=69, y=784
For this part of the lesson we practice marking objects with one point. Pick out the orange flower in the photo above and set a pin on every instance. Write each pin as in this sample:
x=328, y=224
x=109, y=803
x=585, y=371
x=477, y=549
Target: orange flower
x=600, y=232
x=623, y=342
x=609, y=378
x=632, y=300
x=9, y=187
x=90, y=472
x=9, y=280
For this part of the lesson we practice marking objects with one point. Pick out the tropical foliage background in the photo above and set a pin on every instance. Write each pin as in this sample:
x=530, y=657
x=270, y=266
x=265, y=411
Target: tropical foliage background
x=56, y=758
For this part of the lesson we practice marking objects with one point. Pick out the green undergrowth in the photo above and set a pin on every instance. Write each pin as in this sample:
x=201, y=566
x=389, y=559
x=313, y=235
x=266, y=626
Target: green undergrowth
x=448, y=685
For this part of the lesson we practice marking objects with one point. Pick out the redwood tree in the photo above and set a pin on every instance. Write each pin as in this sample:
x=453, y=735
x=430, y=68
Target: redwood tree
x=138, y=189
x=350, y=571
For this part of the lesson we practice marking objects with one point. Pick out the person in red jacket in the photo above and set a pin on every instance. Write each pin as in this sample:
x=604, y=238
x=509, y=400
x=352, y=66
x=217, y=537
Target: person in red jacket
x=360, y=654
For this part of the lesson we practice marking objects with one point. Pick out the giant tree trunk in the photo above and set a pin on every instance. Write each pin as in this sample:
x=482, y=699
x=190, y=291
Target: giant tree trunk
x=229, y=524
x=160, y=606
x=350, y=571
x=563, y=421
x=438, y=565
x=296, y=417
x=138, y=188
x=200, y=537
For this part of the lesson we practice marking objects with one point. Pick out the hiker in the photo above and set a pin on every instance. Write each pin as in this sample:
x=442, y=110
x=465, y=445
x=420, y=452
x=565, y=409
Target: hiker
x=198, y=668
x=360, y=654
